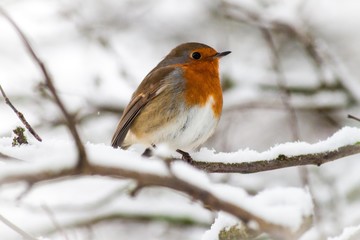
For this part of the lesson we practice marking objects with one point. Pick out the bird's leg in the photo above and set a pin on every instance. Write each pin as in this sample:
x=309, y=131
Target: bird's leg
x=185, y=155
x=148, y=151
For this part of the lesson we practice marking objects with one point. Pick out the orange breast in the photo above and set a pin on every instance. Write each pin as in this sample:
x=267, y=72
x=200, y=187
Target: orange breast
x=202, y=82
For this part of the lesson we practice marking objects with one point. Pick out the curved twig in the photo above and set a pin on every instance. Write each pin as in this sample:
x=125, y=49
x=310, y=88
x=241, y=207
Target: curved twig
x=82, y=156
x=20, y=115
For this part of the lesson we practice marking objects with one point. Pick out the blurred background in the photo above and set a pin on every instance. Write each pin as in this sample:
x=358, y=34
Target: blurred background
x=293, y=75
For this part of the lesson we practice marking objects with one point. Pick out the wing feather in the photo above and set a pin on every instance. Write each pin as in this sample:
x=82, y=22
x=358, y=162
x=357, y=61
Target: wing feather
x=151, y=87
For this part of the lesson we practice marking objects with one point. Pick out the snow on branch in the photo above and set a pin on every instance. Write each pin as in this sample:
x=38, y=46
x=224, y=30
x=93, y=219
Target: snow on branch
x=282, y=161
x=180, y=176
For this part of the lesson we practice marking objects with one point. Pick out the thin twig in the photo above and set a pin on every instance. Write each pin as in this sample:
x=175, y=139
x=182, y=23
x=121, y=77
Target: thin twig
x=82, y=156
x=54, y=221
x=353, y=117
x=25, y=191
x=16, y=229
x=20, y=115
x=310, y=45
x=313, y=47
x=285, y=93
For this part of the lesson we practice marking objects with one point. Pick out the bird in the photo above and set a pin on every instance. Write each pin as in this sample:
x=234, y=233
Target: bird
x=178, y=103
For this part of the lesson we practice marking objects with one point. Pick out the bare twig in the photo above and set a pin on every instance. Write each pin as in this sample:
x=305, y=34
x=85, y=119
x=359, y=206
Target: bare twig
x=82, y=156
x=18, y=230
x=20, y=115
x=285, y=93
x=313, y=47
x=265, y=29
x=54, y=221
x=353, y=117
x=25, y=191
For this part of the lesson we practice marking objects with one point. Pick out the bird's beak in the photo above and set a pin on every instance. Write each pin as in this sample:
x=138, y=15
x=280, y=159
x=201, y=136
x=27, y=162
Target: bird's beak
x=222, y=54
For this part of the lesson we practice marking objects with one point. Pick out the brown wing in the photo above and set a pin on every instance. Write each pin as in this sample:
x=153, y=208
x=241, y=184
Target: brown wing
x=150, y=87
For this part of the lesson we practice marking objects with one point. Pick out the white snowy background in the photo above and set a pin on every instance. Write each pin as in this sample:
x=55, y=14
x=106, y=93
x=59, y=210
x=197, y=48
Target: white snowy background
x=99, y=51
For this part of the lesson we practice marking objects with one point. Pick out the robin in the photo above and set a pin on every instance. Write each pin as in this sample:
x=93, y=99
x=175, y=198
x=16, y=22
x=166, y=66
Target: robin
x=178, y=103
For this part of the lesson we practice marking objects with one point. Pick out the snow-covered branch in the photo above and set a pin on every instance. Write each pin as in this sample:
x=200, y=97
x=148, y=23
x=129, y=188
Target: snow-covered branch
x=282, y=161
x=154, y=172
x=107, y=162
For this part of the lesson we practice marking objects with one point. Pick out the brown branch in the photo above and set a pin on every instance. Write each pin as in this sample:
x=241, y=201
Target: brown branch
x=20, y=115
x=33, y=178
x=207, y=198
x=168, y=181
x=280, y=162
x=353, y=117
x=82, y=156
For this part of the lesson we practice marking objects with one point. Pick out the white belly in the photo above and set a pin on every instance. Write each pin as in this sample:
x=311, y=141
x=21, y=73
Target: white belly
x=189, y=130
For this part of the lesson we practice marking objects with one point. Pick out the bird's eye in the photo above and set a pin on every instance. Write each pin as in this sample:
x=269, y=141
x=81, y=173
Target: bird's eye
x=196, y=55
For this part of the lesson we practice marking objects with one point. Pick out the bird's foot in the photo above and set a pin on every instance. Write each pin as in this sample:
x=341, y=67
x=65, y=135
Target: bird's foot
x=147, y=153
x=185, y=156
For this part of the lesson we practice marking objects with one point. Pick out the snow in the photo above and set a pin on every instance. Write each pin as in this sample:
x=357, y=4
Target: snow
x=131, y=160
x=222, y=221
x=345, y=136
x=279, y=205
x=283, y=206
x=349, y=233
x=36, y=157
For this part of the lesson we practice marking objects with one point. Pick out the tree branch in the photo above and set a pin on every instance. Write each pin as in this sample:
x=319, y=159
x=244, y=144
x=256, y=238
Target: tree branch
x=280, y=162
x=20, y=115
x=353, y=117
x=201, y=194
x=169, y=181
x=313, y=47
x=82, y=157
